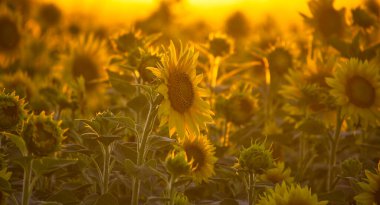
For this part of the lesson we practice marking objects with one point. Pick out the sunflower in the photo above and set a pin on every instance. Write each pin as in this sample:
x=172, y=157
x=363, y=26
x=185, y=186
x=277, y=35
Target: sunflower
x=12, y=112
x=356, y=86
x=10, y=36
x=87, y=59
x=326, y=20
x=280, y=58
x=220, y=45
x=49, y=15
x=240, y=108
x=371, y=190
x=42, y=134
x=20, y=83
x=183, y=107
x=284, y=194
x=201, y=153
x=306, y=91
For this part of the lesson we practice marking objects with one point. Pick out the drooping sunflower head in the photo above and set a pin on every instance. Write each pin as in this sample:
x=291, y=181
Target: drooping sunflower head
x=292, y=194
x=237, y=25
x=201, y=153
x=256, y=158
x=327, y=21
x=280, y=59
x=220, y=45
x=178, y=164
x=356, y=87
x=49, y=15
x=127, y=42
x=277, y=174
x=148, y=58
x=370, y=190
x=42, y=134
x=12, y=111
x=239, y=109
x=87, y=58
x=183, y=107
x=10, y=36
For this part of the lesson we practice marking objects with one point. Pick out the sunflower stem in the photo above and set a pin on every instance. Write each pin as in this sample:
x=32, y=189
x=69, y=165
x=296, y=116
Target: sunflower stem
x=334, y=148
x=106, y=169
x=251, y=188
x=26, y=183
x=141, y=146
x=171, y=190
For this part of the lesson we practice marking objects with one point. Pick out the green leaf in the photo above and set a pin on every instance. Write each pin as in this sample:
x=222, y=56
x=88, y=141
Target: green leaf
x=18, y=141
x=5, y=185
x=121, y=83
x=158, y=142
x=311, y=126
x=138, y=103
x=64, y=197
x=107, y=199
x=47, y=165
x=125, y=151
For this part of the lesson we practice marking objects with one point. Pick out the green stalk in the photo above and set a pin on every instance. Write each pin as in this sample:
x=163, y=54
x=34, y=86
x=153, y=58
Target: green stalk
x=334, y=148
x=251, y=188
x=171, y=190
x=26, y=183
x=106, y=169
x=141, y=154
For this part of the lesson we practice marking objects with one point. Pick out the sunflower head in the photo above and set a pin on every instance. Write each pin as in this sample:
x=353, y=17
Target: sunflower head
x=280, y=60
x=256, y=158
x=370, y=190
x=183, y=106
x=356, y=87
x=177, y=164
x=237, y=25
x=363, y=18
x=42, y=134
x=220, y=45
x=201, y=153
x=149, y=58
x=10, y=35
x=239, y=109
x=277, y=174
x=351, y=168
x=12, y=111
x=20, y=83
x=327, y=21
x=284, y=194
x=87, y=58
x=49, y=15
x=128, y=41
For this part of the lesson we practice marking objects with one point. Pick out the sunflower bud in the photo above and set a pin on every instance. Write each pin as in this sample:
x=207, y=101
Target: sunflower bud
x=181, y=199
x=177, y=164
x=42, y=134
x=239, y=109
x=12, y=111
x=351, y=168
x=256, y=158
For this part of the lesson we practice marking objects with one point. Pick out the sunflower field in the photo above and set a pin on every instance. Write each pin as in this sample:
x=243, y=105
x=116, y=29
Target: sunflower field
x=167, y=110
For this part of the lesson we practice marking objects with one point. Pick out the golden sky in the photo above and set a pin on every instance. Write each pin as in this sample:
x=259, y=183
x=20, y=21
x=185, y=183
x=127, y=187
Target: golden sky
x=215, y=11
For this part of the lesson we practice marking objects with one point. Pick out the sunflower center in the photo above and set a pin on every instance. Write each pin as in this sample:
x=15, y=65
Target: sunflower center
x=9, y=35
x=84, y=65
x=360, y=92
x=180, y=92
x=44, y=141
x=197, y=154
